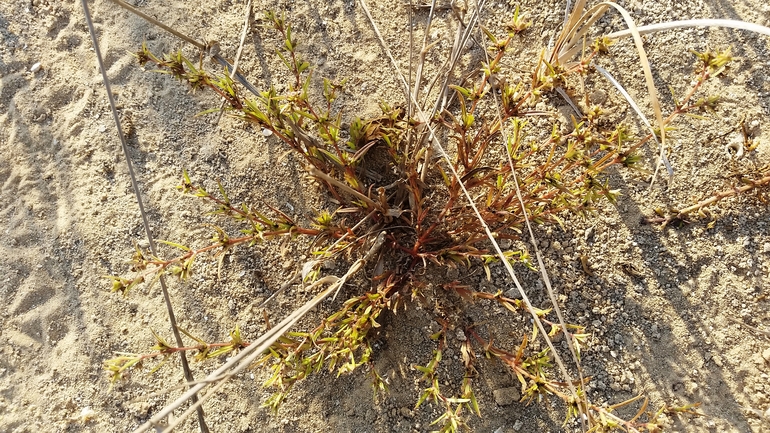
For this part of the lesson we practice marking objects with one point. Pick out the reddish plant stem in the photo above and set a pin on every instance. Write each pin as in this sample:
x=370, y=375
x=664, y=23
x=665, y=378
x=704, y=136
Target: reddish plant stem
x=750, y=184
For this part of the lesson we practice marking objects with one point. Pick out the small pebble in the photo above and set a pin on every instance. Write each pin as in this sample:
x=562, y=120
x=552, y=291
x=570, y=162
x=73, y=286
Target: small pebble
x=36, y=67
x=506, y=396
x=87, y=414
x=452, y=273
x=513, y=293
x=266, y=132
x=598, y=97
x=102, y=128
x=766, y=247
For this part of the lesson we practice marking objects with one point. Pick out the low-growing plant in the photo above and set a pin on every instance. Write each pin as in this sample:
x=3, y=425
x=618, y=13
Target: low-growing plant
x=395, y=222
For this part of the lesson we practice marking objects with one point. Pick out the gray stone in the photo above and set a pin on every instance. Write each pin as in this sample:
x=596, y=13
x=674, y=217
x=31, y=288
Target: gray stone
x=598, y=97
x=513, y=293
x=370, y=416
x=452, y=273
x=506, y=396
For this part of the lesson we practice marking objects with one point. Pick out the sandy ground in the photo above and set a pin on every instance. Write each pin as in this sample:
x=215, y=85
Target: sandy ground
x=692, y=326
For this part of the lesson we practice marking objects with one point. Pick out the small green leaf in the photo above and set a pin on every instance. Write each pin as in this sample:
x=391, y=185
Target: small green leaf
x=461, y=90
x=174, y=244
x=489, y=35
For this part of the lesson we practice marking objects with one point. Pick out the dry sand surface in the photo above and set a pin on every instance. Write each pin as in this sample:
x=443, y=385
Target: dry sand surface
x=691, y=326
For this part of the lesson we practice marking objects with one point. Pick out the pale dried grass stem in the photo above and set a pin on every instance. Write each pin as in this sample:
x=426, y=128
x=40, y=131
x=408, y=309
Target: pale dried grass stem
x=498, y=251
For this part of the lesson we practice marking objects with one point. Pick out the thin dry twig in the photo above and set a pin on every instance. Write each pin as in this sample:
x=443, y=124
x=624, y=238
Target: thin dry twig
x=682, y=213
x=638, y=111
x=137, y=12
x=568, y=44
x=441, y=102
x=311, y=263
x=652, y=28
x=325, y=177
x=756, y=330
x=423, y=51
x=145, y=223
x=733, y=24
x=461, y=39
x=541, y=264
x=204, y=47
x=244, y=32
x=249, y=354
x=498, y=251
